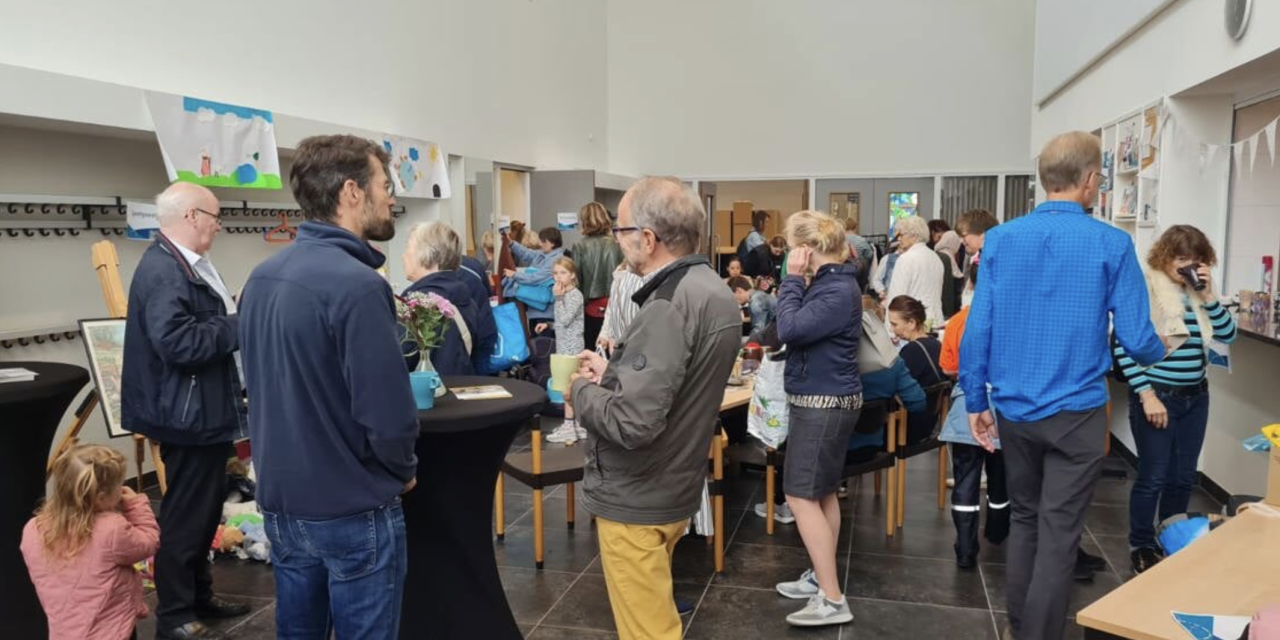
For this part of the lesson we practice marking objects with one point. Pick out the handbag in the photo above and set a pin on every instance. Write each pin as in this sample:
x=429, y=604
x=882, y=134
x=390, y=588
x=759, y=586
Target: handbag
x=511, y=348
x=875, y=349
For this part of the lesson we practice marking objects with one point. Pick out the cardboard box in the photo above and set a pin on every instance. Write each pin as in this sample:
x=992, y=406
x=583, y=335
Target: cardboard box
x=742, y=212
x=1273, y=478
x=740, y=232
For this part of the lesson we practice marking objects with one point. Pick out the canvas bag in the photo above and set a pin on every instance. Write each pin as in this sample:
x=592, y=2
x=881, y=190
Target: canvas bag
x=875, y=350
x=767, y=415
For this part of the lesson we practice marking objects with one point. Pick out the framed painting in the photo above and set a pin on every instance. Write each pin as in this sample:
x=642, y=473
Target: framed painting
x=104, y=345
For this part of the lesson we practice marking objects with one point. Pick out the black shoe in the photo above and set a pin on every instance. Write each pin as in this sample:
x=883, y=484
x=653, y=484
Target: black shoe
x=190, y=631
x=684, y=606
x=1082, y=572
x=218, y=608
x=1144, y=558
x=966, y=562
x=1091, y=561
x=997, y=529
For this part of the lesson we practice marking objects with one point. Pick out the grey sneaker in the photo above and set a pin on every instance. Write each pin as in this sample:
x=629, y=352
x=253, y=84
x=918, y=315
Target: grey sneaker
x=781, y=512
x=802, y=589
x=565, y=434
x=820, y=612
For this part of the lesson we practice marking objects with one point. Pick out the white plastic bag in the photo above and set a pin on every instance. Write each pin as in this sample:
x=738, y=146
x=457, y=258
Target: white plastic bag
x=767, y=416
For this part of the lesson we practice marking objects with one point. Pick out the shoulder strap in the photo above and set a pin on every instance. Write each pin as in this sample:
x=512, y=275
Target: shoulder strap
x=929, y=359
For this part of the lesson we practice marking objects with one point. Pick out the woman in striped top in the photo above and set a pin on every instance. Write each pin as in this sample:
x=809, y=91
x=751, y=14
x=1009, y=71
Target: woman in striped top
x=1169, y=401
x=621, y=310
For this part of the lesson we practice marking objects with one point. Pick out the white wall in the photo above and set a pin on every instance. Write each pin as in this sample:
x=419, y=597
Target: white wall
x=753, y=88
x=515, y=80
x=1255, y=205
x=1182, y=47
x=1183, y=54
x=1094, y=26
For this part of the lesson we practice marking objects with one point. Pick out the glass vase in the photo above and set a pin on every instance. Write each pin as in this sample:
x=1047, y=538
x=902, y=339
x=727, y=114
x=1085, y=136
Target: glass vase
x=424, y=364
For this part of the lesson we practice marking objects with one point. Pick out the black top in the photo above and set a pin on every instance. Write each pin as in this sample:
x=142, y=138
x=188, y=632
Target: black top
x=922, y=357
x=52, y=379
x=451, y=415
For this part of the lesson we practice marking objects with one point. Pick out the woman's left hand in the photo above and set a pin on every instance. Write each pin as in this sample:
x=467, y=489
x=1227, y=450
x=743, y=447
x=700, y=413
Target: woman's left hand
x=798, y=261
x=1206, y=276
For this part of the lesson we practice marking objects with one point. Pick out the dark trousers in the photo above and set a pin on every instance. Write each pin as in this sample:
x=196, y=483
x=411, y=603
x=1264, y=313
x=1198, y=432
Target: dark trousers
x=591, y=327
x=1053, y=465
x=189, y=515
x=967, y=462
x=1166, y=461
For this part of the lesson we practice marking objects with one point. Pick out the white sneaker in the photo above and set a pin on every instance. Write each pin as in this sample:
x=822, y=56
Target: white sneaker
x=781, y=513
x=820, y=612
x=805, y=587
x=580, y=432
x=565, y=434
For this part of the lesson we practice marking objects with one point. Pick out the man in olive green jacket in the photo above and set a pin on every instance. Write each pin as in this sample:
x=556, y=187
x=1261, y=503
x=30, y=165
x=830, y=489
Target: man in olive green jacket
x=650, y=411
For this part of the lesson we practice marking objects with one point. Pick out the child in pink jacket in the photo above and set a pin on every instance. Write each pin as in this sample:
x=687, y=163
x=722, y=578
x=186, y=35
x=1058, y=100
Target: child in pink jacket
x=81, y=547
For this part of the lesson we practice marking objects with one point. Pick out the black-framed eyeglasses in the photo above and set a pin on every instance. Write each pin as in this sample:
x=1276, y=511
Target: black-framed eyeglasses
x=216, y=217
x=618, y=230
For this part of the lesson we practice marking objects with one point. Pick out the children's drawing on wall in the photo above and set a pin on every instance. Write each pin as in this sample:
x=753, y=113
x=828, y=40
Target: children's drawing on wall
x=215, y=144
x=417, y=167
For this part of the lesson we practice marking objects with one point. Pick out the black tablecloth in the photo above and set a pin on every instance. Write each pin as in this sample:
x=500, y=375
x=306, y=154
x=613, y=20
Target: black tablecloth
x=453, y=589
x=29, y=416
x=451, y=415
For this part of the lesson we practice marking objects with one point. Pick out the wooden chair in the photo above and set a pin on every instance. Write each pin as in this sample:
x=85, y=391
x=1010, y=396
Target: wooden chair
x=939, y=397
x=538, y=469
x=715, y=487
x=875, y=414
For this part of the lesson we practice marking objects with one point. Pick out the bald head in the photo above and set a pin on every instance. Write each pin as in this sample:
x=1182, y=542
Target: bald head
x=189, y=215
x=173, y=203
x=1067, y=160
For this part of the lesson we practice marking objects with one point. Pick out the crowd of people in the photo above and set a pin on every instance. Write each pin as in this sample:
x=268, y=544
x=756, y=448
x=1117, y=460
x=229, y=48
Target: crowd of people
x=312, y=341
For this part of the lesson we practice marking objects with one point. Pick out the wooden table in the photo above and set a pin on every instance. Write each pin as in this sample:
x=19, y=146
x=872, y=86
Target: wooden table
x=734, y=397
x=1234, y=570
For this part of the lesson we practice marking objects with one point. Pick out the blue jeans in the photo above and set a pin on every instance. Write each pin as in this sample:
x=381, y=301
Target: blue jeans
x=342, y=577
x=1166, y=461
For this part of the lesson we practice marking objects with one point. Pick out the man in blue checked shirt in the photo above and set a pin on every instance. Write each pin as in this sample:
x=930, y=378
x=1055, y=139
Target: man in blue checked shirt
x=1053, y=283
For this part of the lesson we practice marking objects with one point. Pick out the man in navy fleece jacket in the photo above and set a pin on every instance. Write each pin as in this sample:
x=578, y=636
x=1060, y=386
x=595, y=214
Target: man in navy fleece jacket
x=331, y=414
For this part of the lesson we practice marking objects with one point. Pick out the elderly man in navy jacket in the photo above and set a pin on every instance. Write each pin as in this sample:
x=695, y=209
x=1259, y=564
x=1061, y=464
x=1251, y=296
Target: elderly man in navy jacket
x=331, y=414
x=180, y=386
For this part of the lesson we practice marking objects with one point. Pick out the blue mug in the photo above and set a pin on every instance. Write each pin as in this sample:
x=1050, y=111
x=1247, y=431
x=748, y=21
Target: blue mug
x=424, y=385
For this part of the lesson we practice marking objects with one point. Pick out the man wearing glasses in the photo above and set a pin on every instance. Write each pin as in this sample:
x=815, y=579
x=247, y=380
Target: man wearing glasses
x=181, y=386
x=650, y=407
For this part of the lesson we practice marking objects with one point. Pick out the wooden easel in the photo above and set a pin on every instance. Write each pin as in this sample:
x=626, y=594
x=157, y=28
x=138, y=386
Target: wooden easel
x=106, y=262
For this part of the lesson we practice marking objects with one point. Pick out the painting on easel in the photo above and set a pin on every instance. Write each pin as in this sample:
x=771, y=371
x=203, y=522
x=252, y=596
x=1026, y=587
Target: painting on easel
x=104, y=344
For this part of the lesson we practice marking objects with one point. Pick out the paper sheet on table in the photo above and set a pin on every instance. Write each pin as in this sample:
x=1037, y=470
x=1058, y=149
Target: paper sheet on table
x=1202, y=626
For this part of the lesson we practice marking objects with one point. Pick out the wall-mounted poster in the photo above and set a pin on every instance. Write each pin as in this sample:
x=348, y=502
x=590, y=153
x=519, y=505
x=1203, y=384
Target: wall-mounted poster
x=902, y=204
x=845, y=206
x=418, y=168
x=215, y=144
x=104, y=344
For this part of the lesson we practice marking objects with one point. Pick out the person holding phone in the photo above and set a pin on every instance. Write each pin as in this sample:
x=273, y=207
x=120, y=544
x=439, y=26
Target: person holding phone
x=1169, y=401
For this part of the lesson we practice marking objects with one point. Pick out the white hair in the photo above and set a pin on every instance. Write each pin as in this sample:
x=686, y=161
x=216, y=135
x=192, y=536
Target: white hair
x=915, y=227
x=179, y=198
x=434, y=245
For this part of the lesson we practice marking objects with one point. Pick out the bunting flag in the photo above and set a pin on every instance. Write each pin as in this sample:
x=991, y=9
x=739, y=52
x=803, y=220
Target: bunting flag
x=1271, y=140
x=1253, y=150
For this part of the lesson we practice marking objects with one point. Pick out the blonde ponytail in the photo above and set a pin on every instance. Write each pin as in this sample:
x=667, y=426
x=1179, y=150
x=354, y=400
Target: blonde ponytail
x=818, y=231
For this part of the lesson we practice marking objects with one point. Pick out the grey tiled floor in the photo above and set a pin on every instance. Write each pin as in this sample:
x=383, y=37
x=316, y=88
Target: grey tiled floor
x=907, y=586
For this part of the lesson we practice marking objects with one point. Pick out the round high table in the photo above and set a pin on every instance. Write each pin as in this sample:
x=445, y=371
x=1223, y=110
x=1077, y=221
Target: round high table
x=453, y=589
x=29, y=416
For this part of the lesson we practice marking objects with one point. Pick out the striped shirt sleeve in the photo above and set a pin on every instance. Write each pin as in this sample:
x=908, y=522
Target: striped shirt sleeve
x=1134, y=374
x=1224, y=326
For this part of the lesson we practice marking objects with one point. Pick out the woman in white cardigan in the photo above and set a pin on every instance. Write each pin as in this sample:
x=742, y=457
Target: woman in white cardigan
x=918, y=272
